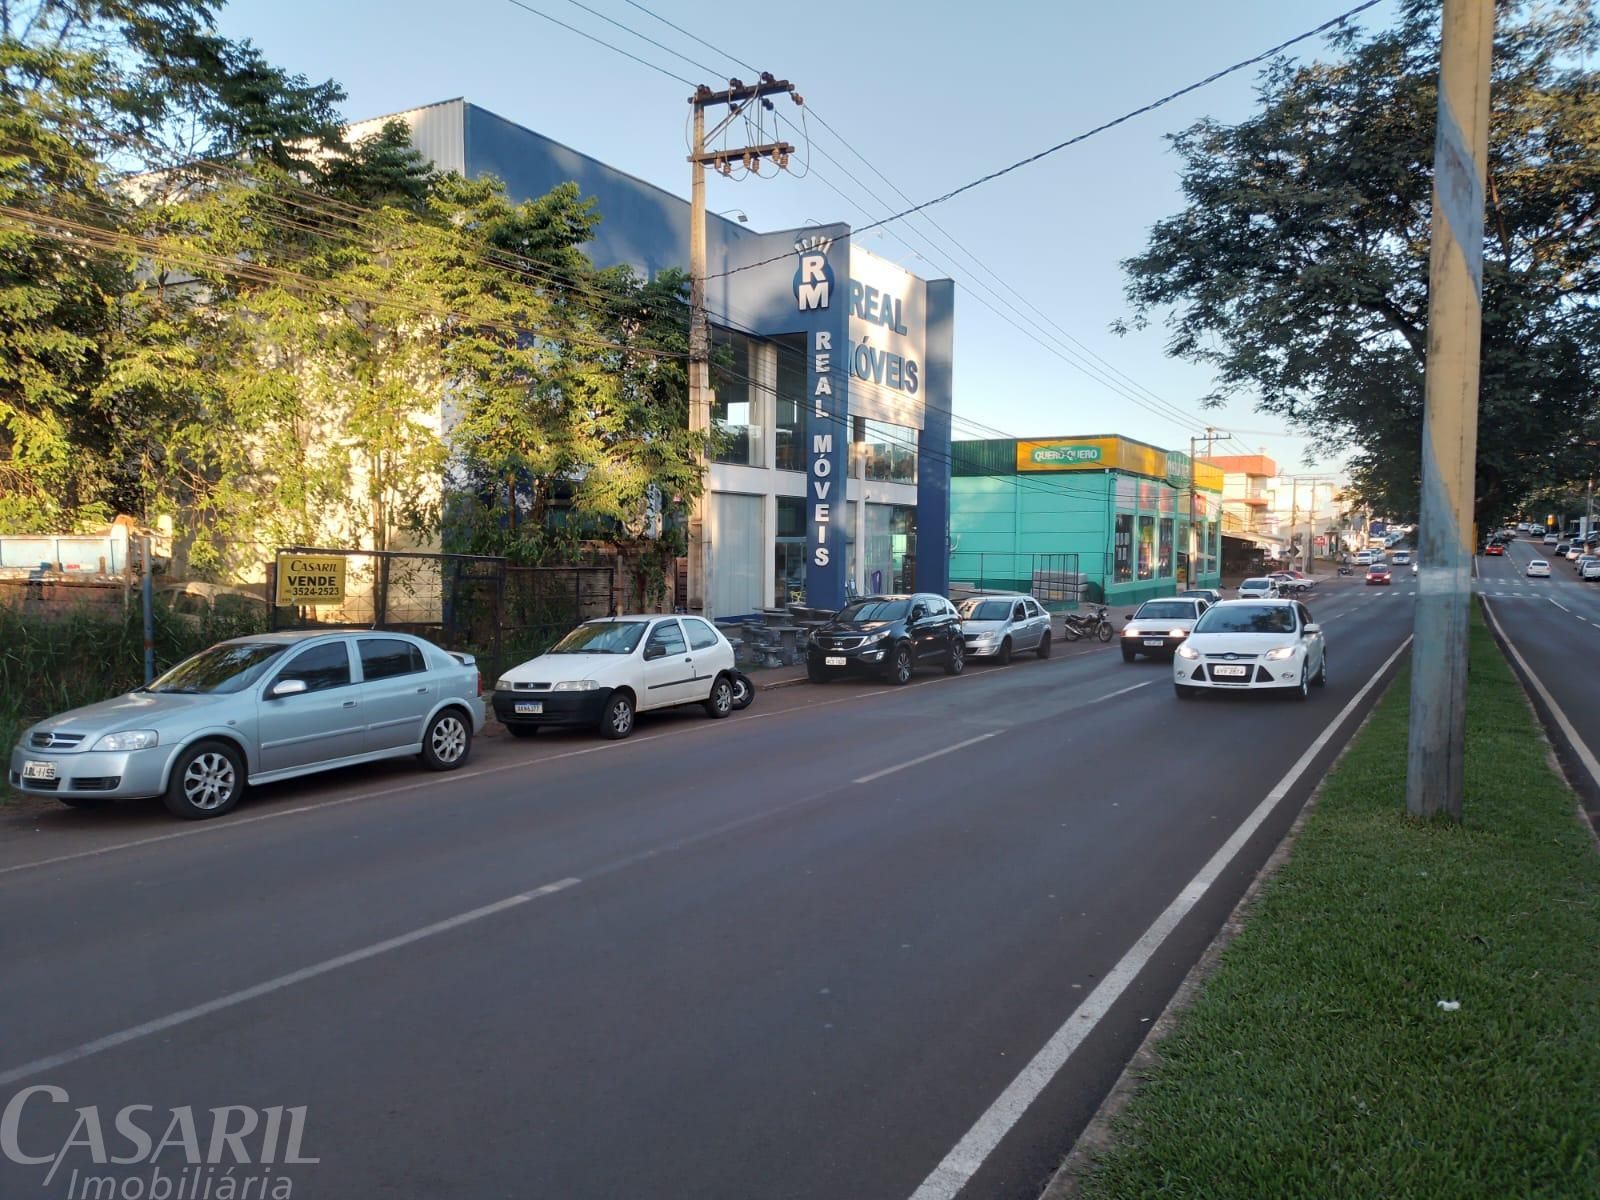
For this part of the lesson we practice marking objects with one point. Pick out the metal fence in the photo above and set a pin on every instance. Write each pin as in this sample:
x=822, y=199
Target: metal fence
x=484, y=605
x=1055, y=580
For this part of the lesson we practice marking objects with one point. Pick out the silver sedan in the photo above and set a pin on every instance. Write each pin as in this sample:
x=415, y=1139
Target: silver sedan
x=995, y=626
x=255, y=710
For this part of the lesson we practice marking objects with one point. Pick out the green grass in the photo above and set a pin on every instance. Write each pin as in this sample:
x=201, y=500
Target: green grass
x=1316, y=1062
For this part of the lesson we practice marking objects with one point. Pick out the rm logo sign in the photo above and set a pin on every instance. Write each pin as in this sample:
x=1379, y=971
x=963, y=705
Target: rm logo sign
x=310, y=579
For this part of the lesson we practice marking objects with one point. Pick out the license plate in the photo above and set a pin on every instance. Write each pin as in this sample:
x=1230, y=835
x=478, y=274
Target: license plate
x=1154, y=642
x=530, y=708
x=834, y=660
x=38, y=770
x=1230, y=672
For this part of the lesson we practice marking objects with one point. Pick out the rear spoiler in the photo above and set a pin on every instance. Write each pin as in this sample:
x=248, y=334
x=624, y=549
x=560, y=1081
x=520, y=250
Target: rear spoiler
x=465, y=659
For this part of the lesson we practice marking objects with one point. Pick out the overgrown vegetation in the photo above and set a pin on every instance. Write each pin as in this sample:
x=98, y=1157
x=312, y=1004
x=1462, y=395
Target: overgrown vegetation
x=1318, y=1062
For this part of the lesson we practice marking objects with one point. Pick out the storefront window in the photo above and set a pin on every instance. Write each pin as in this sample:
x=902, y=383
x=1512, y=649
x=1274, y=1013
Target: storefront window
x=734, y=411
x=1147, y=547
x=789, y=553
x=1164, y=550
x=1122, y=554
x=890, y=451
x=789, y=432
x=890, y=559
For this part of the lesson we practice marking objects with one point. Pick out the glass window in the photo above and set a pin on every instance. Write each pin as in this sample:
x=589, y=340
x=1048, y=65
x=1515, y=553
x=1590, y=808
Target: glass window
x=1147, y=547
x=322, y=667
x=669, y=635
x=984, y=610
x=221, y=670
x=1034, y=610
x=733, y=414
x=1164, y=553
x=863, y=611
x=791, y=517
x=1166, y=610
x=1122, y=552
x=890, y=451
x=701, y=635
x=383, y=658
x=1247, y=618
x=601, y=637
x=789, y=451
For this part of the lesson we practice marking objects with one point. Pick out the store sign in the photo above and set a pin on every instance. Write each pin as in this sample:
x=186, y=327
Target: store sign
x=820, y=499
x=1049, y=456
x=888, y=339
x=813, y=277
x=310, y=579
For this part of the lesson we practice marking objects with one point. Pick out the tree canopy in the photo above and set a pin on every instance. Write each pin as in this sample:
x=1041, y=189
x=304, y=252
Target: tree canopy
x=1298, y=268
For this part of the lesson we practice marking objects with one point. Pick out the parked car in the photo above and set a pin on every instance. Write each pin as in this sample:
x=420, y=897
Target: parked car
x=1243, y=645
x=1538, y=568
x=1158, y=626
x=1209, y=595
x=1562, y=548
x=996, y=626
x=1378, y=573
x=1258, y=589
x=1292, y=581
x=889, y=636
x=1590, y=571
x=1551, y=539
x=1574, y=551
x=609, y=669
x=254, y=710
x=1582, y=561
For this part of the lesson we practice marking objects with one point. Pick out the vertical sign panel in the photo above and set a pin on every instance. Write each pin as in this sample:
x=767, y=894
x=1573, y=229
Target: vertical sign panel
x=827, y=424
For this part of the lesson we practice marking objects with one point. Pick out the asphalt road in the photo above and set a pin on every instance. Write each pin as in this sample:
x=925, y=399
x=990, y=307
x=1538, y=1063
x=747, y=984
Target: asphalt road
x=796, y=953
x=1554, y=624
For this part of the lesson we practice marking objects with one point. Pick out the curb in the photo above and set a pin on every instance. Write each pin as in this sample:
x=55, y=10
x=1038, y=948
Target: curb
x=1100, y=1134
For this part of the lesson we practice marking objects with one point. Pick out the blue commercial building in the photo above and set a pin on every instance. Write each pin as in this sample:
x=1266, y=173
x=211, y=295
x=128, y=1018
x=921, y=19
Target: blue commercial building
x=836, y=408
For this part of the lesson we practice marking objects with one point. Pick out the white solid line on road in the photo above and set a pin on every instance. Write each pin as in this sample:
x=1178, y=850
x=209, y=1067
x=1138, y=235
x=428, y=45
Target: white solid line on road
x=982, y=737
x=1121, y=692
x=1585, y=755
x=1560, y=605
x=183, y=1016
x=970, y=1153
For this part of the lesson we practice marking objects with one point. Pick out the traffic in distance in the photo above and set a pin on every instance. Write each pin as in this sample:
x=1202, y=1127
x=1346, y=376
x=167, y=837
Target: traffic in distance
x=269, y=707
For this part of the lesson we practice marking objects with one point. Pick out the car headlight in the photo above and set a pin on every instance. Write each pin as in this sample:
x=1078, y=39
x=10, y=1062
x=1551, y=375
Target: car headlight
x=1281, y=653
x=1129, y=631
x=504, y=685
x=575, y=685
x=1177, y=633
x=133, y=739
x=986, y=637
x=1187, y=651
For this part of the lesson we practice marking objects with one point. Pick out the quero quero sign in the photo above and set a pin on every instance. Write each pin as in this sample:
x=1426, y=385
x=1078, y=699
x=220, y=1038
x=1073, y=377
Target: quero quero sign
x=1059, y=455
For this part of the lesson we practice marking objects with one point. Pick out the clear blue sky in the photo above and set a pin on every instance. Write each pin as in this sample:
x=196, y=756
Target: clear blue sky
x=934, y=94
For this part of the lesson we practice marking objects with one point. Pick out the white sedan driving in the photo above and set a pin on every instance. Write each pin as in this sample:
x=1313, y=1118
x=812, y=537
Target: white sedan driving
x=1539, y=569
x=1252, y=645
x=607, y=670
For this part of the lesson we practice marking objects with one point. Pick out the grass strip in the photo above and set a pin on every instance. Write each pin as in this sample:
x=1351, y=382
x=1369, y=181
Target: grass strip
x=1316, y=1061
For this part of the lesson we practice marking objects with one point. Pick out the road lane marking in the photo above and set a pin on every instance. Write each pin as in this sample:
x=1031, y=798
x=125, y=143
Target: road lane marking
x=982, y=737
x=1585, y=755
x=970, y=1153
x=183, y=1016
x=1560, y=605
x=1120, y=692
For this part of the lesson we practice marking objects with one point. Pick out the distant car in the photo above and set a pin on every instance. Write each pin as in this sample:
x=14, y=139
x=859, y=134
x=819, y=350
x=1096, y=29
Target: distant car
x=1591, y=571
x=1244, y=645
x=1159, y=625
x=1292, y=581
x=1209, y=595
x=889, y=636
x=1582, y=562
x=1258, y=589
x=1402, y=558
x=255, y=710
x=1493, y=549
x=996, y=626
x=1379, y=573
x=1364, y=557
x=1538, y=569
x=1575, y=551
x=1550, y=539
x=1562, y=548
x=609, y=669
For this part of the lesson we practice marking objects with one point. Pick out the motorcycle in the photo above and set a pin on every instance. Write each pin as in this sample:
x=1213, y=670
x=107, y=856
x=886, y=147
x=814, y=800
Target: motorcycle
x=1346, y=571
x=1093, y=624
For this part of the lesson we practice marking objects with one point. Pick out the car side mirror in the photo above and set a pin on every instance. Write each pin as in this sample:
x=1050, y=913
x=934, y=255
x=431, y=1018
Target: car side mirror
x=288, y=687
x=1127, y=616
x=1312, y=628
x=651, y=652
x=919, y=613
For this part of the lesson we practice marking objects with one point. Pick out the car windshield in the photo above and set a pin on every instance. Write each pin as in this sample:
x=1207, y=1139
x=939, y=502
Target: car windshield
x=1256, y=583
x=986, y=610
x=1165, y=610
x=221, y=670
x=863, y=611
x=601, y=637
x=1378, y=569
x=1247, y=618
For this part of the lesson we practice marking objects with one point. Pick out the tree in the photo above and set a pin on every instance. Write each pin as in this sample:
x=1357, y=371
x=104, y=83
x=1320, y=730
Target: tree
x=1299, y=267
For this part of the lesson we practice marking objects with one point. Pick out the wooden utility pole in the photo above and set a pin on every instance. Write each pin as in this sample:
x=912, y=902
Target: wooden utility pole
x=1438, y=720
x=737, y=97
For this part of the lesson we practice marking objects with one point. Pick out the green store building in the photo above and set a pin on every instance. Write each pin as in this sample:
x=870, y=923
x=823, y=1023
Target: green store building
x=1101, y=519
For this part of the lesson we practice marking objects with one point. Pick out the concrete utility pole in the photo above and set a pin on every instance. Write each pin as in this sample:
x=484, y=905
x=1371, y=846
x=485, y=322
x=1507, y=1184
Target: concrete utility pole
x=1450, y=415
x=737, y=97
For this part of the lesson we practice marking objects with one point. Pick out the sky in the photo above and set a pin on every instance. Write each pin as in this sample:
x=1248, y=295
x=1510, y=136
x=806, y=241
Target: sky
x=933, y=95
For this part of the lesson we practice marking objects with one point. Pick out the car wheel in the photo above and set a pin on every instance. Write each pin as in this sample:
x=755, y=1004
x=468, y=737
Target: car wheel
x=1044, y=646
x=955, y=659
x=447, y=740
x=900, y=666
x=1003, y=655
x=207, y=781
x=616, y=721
x=815, y=673
x=1322, y=671
x=1303, y=688
x=1184, y=692
x=1129, y=654
x=744, y=692
x=522, y=731
x=720, y=703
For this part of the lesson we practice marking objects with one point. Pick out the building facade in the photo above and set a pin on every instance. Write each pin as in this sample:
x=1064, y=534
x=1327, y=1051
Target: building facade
x=832, y=388
x=1126, y=521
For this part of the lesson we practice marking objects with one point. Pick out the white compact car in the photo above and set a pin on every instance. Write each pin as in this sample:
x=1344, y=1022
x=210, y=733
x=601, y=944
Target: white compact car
x=1252, y=645
x=608, y=669
x=1158, y=627
x=1590, y=570
x=1259, y=589
x=1539, y=568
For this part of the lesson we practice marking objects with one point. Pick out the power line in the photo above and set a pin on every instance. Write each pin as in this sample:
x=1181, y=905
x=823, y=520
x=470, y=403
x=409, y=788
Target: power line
x=601, y=42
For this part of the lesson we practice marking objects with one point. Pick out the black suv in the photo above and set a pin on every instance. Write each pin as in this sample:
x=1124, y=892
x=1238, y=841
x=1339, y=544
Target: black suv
x=887, y=635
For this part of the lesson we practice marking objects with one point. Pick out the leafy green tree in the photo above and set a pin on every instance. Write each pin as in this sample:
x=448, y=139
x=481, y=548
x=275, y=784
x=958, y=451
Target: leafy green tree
x=1298, y=268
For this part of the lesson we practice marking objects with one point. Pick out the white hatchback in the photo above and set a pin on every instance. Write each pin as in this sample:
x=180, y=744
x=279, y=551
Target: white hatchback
x=1247, y=645
x=1539, y=567
x=608, y=669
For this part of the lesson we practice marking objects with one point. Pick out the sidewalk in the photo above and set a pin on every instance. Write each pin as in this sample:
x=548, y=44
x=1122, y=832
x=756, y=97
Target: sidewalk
x=1408, y=1009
